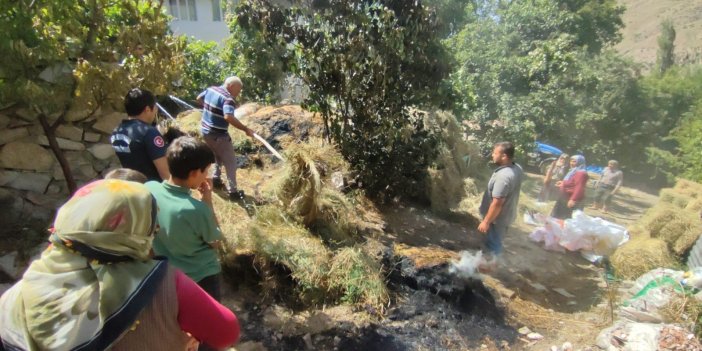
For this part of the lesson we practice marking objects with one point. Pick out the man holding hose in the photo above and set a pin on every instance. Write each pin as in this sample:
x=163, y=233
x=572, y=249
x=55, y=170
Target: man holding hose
x=218, y=104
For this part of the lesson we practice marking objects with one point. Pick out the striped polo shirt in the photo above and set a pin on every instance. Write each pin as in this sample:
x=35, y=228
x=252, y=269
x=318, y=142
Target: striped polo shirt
x=217, y=103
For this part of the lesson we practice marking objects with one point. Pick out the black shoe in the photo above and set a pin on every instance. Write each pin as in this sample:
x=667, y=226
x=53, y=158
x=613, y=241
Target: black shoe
x=217, y=183
x=236, y=195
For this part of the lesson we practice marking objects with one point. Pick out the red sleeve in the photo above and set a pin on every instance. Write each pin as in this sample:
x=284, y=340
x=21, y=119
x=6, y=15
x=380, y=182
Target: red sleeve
x=203, y=317
x=580, y=182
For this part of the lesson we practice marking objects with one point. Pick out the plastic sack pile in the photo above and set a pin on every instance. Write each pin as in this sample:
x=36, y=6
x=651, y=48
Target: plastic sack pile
x=590, y=235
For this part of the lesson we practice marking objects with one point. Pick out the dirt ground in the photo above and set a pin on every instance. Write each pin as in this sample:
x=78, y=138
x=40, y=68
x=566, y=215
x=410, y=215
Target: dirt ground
x=559, y=295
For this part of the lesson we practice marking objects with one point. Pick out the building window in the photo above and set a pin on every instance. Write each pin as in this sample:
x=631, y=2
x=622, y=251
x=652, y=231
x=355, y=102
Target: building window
x=183, y=10
x=216, y=11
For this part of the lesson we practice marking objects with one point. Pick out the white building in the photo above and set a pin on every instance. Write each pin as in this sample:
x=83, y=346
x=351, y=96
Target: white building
x=201, y=19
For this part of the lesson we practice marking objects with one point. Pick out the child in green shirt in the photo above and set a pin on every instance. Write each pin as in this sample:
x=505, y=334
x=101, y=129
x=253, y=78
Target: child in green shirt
x=188, y=234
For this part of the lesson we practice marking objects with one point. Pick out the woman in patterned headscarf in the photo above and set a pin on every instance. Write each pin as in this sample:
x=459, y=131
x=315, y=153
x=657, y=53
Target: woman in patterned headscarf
x=96, y=287
x=572, y=189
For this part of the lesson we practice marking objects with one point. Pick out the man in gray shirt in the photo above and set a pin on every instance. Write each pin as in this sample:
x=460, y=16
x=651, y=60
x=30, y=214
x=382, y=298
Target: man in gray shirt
x=607, y=186
x=499, y=205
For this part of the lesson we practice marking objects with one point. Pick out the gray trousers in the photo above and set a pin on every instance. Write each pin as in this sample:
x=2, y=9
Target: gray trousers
x=221, y=145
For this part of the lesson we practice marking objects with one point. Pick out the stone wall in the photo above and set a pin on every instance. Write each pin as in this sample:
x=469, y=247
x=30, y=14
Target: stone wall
x=32, y=184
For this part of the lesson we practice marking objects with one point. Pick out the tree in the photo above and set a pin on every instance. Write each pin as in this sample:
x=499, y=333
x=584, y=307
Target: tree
x=666, y=46
x=86, y=40
x=203, y=67
x=366, y=64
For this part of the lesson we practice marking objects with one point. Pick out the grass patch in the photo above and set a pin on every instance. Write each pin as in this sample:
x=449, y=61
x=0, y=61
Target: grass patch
x=359, y=277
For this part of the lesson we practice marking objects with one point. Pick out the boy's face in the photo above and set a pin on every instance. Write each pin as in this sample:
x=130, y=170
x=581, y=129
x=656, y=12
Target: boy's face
x=197, y=177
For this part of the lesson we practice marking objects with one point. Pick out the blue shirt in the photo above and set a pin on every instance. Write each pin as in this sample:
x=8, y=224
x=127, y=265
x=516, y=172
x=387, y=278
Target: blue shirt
x=217, y=103
x=137, y=145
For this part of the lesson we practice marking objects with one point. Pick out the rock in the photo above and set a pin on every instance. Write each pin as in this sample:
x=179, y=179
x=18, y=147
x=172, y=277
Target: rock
x=8, y=264
x=4, y=121
x=14, y=155
x=54, y=189
x=12, y=205
x=534, y=336
x=107, y=123
x=26, y=114
x=86, y=172
x=64, y=144
x=9, y=135
x=567, y=346
x=537, y=286
x=524, y=330
x=75, y=115
x=91, y=137
x=46, y=201
x=275, y=317
x=36, y=182
x=69, y=132
x=308, y=341
x=102, y=151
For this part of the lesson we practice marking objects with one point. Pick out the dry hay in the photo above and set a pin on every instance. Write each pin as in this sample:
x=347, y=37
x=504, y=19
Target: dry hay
x=678, y=228
x=452, y=177
x=641, y=255
x=281, y=240
x=303, y=188
x=675, y=197
x=189, y=121
x=681, y=309
x=358, y=275
x=694, y=206
x=689, y=187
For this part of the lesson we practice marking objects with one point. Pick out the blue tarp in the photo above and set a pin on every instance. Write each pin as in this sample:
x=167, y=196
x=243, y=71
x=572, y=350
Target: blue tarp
x=545, y=148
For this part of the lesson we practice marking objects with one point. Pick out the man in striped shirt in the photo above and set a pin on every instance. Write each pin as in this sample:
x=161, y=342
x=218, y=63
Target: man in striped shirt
x=217, y=114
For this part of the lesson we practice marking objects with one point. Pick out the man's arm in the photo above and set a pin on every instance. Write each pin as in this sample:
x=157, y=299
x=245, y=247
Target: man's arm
x=200, y=101
x=238, y=125
x=492, y=213
x=162, y=167
x=619, y=183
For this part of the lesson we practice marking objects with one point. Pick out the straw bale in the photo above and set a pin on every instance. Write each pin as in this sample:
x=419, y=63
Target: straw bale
x=678, y=228
x=689, y=187
x=675, y=197
x=639, y=256
x=686, y=240
x=694, y=206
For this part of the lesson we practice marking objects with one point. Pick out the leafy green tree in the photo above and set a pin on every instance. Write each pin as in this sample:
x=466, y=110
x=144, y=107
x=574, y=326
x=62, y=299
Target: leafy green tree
x=260, y=63
x=366, y=64
x=666, y=46
x=531, y=70
x=87, y=40
x=203, y=67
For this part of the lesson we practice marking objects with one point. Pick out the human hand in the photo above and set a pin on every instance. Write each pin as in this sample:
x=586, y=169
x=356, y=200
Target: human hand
x=205, y=191
x=559, y=183
x=571, y=203
x=483, y=227
x=192, y=344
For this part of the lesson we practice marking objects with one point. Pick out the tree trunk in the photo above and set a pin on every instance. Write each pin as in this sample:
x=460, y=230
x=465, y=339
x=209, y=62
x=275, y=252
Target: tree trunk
x=67, y=173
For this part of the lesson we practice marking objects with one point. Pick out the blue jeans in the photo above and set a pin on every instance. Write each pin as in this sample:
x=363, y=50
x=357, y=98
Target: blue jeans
x=494, y=238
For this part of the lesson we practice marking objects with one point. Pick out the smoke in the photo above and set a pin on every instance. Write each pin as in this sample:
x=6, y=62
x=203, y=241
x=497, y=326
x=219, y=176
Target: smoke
x=468, y=266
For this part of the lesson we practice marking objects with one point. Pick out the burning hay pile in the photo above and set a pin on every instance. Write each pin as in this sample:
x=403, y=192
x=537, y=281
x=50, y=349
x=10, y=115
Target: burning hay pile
x=665, y=233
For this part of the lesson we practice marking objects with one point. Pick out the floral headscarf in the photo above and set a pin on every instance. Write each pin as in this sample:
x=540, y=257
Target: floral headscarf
x=88, y=288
